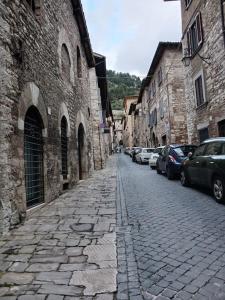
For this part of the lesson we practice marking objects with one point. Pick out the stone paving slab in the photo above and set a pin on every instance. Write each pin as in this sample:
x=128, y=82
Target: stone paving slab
x=73, y=235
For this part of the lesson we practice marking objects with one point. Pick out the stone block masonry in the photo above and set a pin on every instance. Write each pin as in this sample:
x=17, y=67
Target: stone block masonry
x=63, y=251
x=44, y=71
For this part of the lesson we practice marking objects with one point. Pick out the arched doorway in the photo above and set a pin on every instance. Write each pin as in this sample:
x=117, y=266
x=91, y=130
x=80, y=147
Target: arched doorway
x=81, y=151
x=33, y=157
x=64, y=147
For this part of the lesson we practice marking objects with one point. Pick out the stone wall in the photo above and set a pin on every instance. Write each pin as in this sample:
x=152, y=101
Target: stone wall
x=99, y=151
x=169, y=101
x=213, y=47
x=35, y=72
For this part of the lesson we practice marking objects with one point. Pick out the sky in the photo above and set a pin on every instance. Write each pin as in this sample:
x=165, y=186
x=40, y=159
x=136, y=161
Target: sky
x=127, y=32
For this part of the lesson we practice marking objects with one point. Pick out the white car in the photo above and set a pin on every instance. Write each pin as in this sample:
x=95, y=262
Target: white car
x=144, y=155
x=154, y=156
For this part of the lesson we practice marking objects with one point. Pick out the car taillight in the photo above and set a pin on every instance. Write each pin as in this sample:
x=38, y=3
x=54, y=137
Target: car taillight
x=172, y=159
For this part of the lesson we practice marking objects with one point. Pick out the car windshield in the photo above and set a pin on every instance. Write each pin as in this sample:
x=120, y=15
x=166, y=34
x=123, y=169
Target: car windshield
x=183, y=151
x=147, y=150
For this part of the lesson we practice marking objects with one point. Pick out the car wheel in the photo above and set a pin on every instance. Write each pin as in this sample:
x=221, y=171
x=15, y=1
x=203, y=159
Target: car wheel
x=152, y=167
x=158, y=171
x=183, y=179
x=169, y=174
x=218, y=188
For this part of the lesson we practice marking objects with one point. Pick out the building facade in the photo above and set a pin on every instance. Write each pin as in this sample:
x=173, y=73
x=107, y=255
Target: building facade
x=45, y=103
x=101, y=112
x=128, y=120
x=162, y=94
x=203, y=27
x=118, y=127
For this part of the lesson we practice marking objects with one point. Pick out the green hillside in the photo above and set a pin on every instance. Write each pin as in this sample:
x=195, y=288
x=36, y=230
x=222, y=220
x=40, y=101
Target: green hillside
x=121, y=85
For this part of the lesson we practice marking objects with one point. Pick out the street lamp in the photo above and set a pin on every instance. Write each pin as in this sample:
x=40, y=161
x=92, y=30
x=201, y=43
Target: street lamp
x=187, y=58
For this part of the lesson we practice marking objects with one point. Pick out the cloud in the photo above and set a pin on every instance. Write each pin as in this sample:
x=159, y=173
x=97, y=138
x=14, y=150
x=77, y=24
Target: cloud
x=127, y=32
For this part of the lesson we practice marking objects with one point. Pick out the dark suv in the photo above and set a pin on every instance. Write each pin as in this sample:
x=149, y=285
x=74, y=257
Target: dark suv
x=171, y=157
x=206, y=167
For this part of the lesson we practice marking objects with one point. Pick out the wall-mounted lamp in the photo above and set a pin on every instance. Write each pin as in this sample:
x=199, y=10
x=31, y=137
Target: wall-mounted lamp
x=187, y=58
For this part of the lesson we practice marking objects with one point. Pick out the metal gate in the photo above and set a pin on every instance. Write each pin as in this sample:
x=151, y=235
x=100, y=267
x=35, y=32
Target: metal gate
x=64, y=147
x=33, y=158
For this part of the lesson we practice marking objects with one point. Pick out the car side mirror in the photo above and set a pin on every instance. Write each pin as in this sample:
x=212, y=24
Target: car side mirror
x=190, y=154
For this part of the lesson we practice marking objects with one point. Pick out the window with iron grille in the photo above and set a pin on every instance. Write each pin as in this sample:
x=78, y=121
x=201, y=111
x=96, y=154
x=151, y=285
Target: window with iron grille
x=33, y=158
x=199, y=90
x=195, y=35
x=64, y=148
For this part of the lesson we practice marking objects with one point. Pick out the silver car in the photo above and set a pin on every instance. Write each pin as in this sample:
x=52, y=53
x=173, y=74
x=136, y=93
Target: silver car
x=143, y=155
x=154, y=156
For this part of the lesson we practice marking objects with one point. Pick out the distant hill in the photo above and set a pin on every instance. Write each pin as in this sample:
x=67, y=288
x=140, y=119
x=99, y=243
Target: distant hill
x=121, y=85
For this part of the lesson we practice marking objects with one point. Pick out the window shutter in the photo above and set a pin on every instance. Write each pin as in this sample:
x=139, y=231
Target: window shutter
x=199, y=28
x=189, y=42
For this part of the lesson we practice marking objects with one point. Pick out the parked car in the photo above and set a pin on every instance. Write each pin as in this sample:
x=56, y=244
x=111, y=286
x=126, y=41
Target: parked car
x=171, y=157
x=154, y=156
x=134, y=152
x=143, y=155
x=206, y=167
x=127, y=150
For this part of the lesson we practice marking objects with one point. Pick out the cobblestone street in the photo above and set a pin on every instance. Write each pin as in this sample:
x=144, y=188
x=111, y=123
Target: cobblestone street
x=65, y=250
x=171, y=240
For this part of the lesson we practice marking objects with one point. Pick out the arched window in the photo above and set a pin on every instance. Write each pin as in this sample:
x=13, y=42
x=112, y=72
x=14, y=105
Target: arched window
x=33, y=157
x=66, y=63
x=64, y=147
x=79, y=63
x=35, y=6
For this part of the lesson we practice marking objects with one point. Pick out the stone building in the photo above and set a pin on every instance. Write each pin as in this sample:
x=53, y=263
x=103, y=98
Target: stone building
x=45, y=103
x=203, y=39
x=101, y=112
x=128, y=120
x=163, y=93
x=118, y=131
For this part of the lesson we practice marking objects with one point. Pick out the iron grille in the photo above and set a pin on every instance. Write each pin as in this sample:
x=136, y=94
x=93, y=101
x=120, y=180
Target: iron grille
x=64, y=148
x=33, y=159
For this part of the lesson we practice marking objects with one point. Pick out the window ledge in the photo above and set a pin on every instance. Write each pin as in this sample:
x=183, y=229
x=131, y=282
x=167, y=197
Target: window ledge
x=202, y=106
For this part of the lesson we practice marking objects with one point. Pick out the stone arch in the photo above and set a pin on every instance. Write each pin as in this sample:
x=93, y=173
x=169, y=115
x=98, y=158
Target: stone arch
x=64, y=40
x=82, y=145
x=33, y=157
x=31, y=96
x=81, y=119
x=63, y=112
x=66, y=62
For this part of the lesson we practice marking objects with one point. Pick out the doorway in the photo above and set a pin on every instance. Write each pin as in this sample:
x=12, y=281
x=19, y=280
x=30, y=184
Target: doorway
x=33, y=157
x=81, y=151
x=221, y=127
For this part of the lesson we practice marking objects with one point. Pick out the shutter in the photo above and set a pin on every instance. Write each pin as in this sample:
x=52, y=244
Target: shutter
x=189, y=42
x=199, y=29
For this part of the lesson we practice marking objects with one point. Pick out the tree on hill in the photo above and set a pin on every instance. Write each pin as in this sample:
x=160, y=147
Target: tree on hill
x=121, y=85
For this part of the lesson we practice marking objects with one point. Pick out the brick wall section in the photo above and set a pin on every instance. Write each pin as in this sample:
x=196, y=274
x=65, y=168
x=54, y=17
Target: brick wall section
x=30, y=52
x=214, y=74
